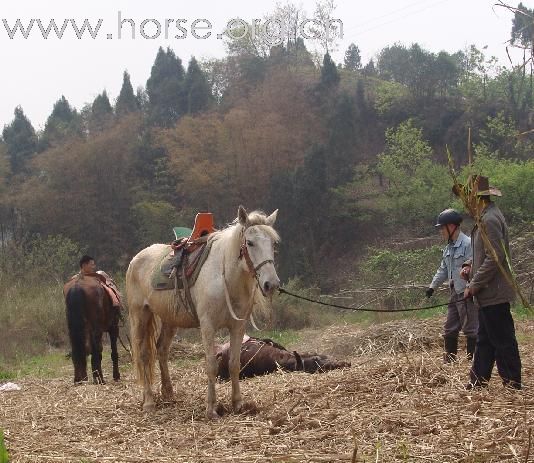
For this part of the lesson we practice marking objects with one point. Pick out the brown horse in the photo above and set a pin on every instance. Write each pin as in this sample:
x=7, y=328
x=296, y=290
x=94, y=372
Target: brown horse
x=89, y=314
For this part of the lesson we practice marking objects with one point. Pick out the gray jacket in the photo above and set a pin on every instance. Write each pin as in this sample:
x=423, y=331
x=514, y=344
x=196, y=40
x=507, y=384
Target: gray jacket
x=454, y=255
x=491, y=287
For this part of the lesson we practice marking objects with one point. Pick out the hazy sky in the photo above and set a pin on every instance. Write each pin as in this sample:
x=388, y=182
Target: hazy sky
x=36, y=71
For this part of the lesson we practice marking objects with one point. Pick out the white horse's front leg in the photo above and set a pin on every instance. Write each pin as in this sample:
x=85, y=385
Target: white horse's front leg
x=208, y=335
x=236, y=338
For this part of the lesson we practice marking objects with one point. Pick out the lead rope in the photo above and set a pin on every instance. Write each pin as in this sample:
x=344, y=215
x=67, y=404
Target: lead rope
x=362, y=309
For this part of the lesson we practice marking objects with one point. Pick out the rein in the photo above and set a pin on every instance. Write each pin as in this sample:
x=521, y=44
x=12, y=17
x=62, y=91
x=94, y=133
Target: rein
x=254, y=271
x=243, y=253
x=361, y=309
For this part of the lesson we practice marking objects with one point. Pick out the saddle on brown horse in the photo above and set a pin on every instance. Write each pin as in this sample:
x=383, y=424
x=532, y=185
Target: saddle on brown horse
x=107, y=283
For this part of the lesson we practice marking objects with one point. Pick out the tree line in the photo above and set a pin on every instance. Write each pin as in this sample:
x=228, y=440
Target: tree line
x=349, y=152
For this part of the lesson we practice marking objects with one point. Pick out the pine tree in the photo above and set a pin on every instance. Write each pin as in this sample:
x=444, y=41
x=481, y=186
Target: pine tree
x=64, y=122
x=329, y=73
x=197, y=91
x=101, y=113
x=126, y=102
x=311, y=200
x=165, y=89
x=370, y=69
x=353, y=59
x=342, y=142
x=21, y=140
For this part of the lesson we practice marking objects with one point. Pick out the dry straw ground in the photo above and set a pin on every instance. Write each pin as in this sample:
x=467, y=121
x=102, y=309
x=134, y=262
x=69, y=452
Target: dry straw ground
x=396, y=403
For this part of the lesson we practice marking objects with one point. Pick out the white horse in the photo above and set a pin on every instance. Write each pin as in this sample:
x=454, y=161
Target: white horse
x=241, y=258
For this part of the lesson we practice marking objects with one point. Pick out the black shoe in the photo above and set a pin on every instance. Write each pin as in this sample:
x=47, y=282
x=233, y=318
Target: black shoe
x=471, y=342
x=451, y=348
x=512, y=385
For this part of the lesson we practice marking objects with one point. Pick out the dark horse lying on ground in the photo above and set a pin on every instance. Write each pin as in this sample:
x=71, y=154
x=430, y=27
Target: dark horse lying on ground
x=261, y=356
x=89, y=314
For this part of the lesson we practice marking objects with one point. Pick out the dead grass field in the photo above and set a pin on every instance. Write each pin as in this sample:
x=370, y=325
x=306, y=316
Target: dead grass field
x=397, y=402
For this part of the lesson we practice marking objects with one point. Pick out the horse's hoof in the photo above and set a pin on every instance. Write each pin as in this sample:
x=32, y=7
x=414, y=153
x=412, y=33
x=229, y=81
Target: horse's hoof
x=247, y=408
x=212, y=415
x=149, y=407
x=237, y=407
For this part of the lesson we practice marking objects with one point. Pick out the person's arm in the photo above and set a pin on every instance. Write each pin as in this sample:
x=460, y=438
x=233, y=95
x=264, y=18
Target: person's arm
x=489, y=267
x=441, y=275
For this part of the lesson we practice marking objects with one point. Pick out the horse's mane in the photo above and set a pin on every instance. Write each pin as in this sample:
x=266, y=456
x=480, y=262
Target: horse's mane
x=255, y=219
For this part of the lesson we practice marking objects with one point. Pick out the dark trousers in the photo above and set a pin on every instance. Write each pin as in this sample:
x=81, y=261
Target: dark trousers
x=496, y=343
x=461, y=315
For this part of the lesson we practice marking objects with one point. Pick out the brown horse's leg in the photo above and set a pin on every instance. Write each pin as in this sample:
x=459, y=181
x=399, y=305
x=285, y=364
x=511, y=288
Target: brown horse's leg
x=163, y=345
x=96, y=358
x=236, y=338
x=80, y=370
x=208, y=335
x=76, y=302
x=113, y=336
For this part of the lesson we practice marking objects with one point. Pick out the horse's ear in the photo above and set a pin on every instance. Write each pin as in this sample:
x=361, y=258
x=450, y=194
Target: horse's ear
x=242, y=215
x=272, y=218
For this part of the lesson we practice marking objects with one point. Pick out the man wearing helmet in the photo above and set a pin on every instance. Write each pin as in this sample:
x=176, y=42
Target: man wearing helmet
x=461, y=313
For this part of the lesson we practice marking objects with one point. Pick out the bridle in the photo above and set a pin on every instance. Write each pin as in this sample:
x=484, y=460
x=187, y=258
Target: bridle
x=253, y=270
x=244, y=254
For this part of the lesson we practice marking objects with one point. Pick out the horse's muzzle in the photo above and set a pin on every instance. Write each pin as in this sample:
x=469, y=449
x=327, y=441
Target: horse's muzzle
x=269, y=287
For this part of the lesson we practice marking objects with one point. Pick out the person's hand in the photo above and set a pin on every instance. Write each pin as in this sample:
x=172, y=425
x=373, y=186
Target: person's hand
x=468, y=293
x=464, y=273
x=429, y=292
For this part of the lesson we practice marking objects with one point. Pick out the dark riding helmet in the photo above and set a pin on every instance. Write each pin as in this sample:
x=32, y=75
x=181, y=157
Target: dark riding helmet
x=449, y=216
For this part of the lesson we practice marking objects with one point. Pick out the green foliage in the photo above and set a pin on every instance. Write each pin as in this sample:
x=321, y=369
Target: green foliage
x=101, y=113
x=424, y=73
x=50, y=258
x=62, y=124
x=33, y=313
x=353, y=59
x=290, y=313
x=369, y=69
x=403, y=267
x=20, y=139
x=197, y=92
x=329, y=73
x=165, y=89
x=127, y=101
x=523, y=26
x=501, y=137
x=310, y=199
x=155, y=220
x=390, y=267
x=405, y=150
x=343, y=140
x=416, y=186
x=56, y=256
x=4, y=457
x=390, y=98
x=514, y=178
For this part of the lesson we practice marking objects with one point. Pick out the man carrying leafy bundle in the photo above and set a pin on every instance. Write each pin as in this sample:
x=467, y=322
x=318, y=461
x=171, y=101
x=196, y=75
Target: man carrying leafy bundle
x=491, y=286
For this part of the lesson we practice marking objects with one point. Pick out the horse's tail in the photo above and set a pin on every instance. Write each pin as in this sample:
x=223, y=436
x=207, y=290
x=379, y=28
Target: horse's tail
x=143, y=331
x=76, y=302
